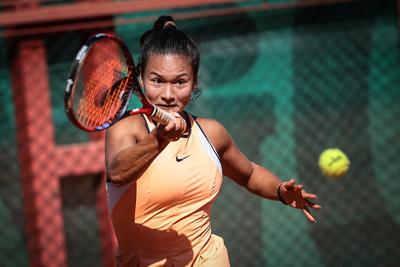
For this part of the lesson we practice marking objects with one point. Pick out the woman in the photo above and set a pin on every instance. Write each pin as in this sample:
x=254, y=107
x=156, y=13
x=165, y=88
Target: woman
x=164, y=178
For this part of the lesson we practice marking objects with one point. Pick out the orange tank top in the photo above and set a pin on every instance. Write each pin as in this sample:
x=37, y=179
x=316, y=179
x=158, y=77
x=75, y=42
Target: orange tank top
x=163, y=218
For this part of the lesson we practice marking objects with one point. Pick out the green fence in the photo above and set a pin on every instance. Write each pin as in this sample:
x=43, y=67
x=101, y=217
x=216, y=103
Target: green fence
x=287, y=84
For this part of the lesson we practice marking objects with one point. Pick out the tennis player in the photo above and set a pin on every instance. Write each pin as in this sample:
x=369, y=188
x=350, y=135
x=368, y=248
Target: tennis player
x=163, y=179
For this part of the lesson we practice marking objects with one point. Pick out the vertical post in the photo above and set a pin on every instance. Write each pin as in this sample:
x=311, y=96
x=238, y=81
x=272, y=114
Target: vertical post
x=36, y=151
x=42, y=162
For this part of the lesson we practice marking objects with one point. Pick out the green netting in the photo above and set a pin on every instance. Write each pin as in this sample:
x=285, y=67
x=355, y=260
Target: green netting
x=80, y=220
x=286, y=84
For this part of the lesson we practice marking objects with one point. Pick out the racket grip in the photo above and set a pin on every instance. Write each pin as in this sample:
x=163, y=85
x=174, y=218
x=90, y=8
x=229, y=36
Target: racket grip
x=161, y=116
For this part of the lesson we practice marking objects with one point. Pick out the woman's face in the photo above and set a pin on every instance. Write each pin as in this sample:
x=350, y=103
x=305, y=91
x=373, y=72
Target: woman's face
x=168, y=81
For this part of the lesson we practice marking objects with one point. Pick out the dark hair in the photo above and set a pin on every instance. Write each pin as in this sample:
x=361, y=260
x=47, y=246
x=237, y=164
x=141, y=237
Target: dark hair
x=164, y=39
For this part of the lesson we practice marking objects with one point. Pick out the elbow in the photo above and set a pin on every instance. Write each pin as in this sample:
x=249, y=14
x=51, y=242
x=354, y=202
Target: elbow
x=248, y=180
x=117, y=177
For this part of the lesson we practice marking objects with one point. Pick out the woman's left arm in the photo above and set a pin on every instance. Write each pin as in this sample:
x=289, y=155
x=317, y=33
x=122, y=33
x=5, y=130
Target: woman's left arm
x=264, y=183
x=253, y=177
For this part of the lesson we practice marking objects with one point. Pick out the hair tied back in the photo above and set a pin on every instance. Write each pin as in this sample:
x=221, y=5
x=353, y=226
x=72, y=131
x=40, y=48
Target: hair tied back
x=163, y=22
x=169, y=24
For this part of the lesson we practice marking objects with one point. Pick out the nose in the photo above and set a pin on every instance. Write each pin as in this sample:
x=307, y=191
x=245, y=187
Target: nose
x=168, y=94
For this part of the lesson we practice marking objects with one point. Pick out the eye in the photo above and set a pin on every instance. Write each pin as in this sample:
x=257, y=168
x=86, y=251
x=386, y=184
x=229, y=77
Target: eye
x=181, y=82
x=156, y=80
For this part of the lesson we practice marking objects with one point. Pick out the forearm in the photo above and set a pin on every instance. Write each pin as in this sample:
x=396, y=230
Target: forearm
x=263, y=183
x=131, y=162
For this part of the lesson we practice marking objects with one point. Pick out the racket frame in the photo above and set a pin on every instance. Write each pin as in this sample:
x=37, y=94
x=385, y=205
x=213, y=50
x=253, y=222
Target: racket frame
x=149, y=109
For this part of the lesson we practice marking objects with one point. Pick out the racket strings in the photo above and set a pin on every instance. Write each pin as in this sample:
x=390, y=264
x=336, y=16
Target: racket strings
x=103, y=83
x=115, y=96
x=112, y=100
x=87, y=113
x=86, y=84
x=83, y=113
x=88, y=109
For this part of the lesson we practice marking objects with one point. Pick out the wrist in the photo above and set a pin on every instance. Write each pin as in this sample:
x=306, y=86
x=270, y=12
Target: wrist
x=161, y=140
x=278, y=193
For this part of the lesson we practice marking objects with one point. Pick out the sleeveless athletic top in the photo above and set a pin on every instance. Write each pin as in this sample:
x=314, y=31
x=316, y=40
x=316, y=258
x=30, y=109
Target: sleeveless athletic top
x=163, y=218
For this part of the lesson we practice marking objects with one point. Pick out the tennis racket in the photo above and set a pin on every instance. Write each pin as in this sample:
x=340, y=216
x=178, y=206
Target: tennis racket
x=100, y=85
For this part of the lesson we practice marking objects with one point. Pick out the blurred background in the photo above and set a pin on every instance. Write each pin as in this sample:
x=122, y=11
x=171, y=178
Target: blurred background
x=287, y=78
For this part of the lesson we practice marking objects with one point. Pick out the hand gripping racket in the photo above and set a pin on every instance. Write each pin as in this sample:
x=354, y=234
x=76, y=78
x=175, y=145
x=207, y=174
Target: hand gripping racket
x=100, y=85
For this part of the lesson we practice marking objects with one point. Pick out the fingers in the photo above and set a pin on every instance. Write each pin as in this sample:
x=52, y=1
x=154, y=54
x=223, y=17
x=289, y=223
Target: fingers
x=173, y=130
x=288, y=185
x=181, y=124
x=308, y=203
x=291, y=185
x=300, y=198
x=298, y=188
x=308, y=195
x=312, y=204
x=178, y=125
x=308, y=214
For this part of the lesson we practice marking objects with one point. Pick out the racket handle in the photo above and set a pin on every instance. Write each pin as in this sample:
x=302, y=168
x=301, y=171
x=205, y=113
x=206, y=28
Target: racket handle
x=161, y=116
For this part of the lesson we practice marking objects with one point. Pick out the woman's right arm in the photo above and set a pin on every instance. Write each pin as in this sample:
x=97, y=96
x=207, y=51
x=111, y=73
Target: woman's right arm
x=130, y=149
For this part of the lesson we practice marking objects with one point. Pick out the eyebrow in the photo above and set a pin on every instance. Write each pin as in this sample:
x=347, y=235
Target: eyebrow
x=177, y=76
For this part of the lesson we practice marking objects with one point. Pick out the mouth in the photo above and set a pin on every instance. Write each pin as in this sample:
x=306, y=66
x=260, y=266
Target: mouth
x=166, y=107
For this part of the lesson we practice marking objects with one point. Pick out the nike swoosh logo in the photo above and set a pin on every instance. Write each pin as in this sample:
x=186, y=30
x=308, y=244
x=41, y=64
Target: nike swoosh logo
x=180, y=159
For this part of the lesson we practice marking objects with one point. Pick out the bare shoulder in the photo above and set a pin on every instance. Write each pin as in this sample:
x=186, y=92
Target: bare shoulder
x=128, y=130
x=123, y=134
x=216, y=133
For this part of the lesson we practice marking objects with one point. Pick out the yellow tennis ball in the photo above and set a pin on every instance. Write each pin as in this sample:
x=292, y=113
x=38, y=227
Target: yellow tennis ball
x=334, y=163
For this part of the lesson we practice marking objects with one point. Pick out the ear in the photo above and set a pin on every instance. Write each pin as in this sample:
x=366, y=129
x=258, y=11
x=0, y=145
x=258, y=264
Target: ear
x=140, y=80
